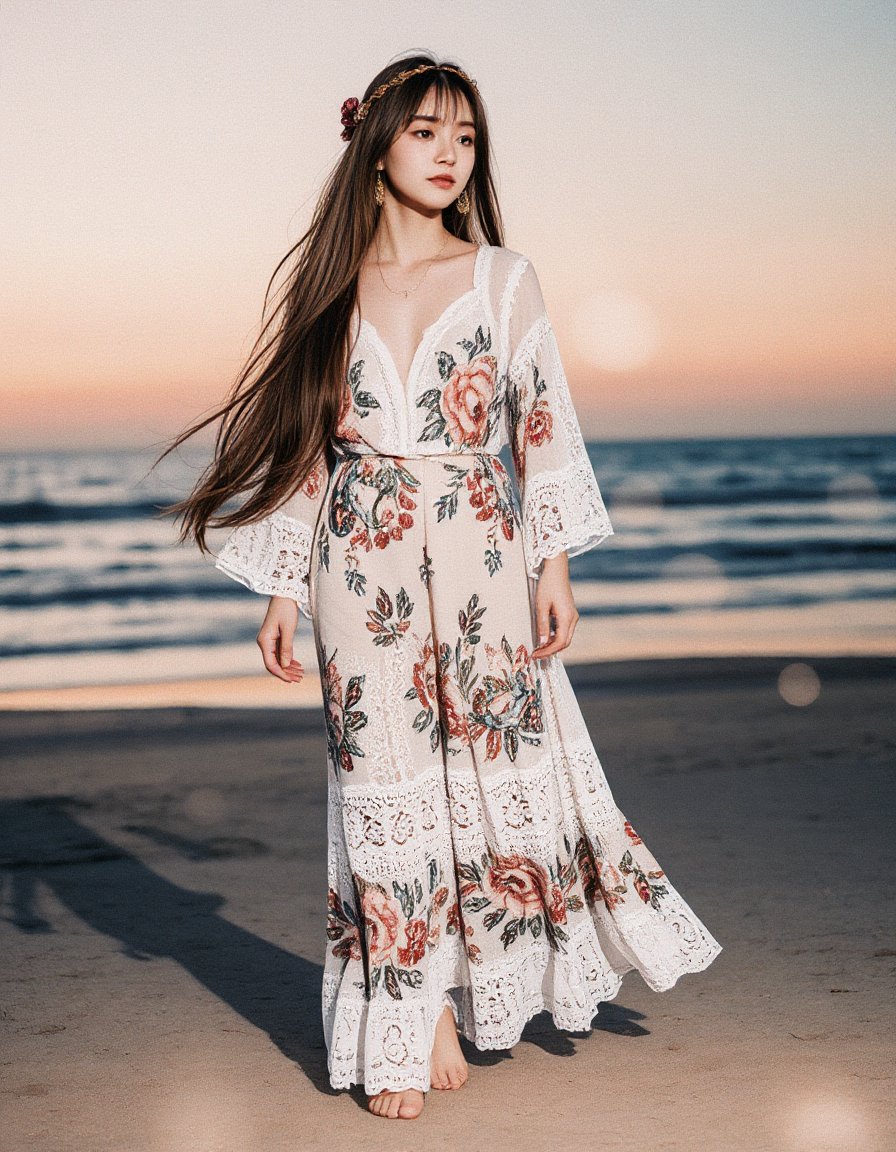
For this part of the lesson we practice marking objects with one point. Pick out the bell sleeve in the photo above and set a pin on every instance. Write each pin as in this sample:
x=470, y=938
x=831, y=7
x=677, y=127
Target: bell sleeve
x=273, y=556
x=562, y=506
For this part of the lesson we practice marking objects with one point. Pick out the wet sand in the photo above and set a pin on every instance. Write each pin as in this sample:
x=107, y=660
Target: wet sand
x=164, y=882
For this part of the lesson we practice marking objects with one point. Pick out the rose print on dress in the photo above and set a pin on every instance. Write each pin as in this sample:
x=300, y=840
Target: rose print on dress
x=539, y=427
x=504, y=704
x=507, y=705
x=453, y=716
x=343, y=718
x=382, y=920
x=442, y=713
x=611, y=888
x=373, y=504
x=464, y=410
x=521, y=895
x=465, y=399
x=457, y=676
x=400, y=926
x=533, y=426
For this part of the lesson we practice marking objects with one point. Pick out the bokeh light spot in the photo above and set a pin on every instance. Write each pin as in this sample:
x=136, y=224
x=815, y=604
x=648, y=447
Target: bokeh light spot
x=854, y=496
x=701, y=579
x=827, y=1123
x=798, y=684
x=205, y=805
x=636, y=502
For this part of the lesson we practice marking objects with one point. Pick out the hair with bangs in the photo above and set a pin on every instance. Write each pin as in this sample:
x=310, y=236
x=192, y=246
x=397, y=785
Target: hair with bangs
x=282, y=410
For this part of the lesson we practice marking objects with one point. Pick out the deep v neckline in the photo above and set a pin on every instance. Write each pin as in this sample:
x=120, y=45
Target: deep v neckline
x=447, y=311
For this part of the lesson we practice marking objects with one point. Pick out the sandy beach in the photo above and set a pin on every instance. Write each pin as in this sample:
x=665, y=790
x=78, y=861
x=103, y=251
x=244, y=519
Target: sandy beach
x=164, y=901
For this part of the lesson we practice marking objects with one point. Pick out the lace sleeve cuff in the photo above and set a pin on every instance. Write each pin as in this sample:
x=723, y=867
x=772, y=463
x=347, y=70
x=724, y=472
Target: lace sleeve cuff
x=563, y=512
x=271, y=556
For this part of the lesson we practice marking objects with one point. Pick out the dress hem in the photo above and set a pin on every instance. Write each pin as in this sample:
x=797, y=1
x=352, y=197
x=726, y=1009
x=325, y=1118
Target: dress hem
x=545, y=1003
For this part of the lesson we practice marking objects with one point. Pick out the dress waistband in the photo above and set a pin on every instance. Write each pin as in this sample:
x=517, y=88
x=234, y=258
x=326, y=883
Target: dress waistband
x=351, y=454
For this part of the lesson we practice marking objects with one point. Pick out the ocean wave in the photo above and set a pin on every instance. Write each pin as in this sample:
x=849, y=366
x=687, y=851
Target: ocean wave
x=93, y=566
x=707, y=496
x=51, y=512
x=125, y=644
x=158, y=591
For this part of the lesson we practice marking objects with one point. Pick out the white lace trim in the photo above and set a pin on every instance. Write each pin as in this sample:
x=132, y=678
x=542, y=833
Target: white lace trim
x=563, y=511
x=271, y=556
x=386, y=1044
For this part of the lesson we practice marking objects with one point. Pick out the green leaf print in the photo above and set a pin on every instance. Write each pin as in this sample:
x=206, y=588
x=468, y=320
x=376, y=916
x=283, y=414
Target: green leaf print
x=386, y=630
x=432, y=431
x=446, y=364
x=343, y=718
x=355, y=581
x=481, y=343
x=361, y=401
x=446, y=504
x=405, y=898
x=430, y=400
x=323, y=547
x=353, y=692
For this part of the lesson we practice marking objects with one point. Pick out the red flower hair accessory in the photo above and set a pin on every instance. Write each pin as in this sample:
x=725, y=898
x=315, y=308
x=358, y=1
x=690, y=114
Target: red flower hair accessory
x=349, y=116
x=354, y=112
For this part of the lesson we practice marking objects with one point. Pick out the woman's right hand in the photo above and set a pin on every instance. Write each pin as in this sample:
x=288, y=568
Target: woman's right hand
x=275, y=640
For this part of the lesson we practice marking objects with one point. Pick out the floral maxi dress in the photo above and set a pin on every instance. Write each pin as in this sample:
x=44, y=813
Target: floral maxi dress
x=475, y=854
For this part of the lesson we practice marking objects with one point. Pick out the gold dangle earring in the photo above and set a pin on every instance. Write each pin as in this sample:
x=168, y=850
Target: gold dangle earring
x=463, y=203
x=380, y=190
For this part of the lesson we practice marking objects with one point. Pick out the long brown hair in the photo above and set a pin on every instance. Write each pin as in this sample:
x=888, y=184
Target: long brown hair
x=284, y=406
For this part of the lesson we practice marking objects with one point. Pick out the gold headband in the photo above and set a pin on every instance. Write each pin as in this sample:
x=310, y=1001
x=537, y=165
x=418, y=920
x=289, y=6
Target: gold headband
x=353, y=112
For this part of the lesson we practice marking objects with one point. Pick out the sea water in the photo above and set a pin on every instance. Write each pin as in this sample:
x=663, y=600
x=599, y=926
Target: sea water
x=720, y=546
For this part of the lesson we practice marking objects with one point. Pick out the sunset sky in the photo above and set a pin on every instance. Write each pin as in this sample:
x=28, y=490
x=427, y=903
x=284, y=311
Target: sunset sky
x=705, y=189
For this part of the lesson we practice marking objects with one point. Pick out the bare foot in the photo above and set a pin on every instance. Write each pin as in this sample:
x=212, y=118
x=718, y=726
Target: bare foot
x=448, y=1067
x=403, y=1105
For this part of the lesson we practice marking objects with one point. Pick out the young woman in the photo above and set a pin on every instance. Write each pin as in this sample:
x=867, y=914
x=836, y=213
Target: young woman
x=479, y=870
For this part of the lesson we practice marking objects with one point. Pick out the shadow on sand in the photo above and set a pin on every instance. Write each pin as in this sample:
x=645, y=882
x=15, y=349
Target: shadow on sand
x=115, y=893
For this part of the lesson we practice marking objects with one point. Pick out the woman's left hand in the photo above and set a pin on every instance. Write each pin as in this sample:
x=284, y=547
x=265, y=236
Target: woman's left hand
x=553, y=598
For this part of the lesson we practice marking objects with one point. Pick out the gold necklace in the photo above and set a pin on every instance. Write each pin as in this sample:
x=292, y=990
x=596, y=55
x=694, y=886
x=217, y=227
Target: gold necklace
x=407, y=291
